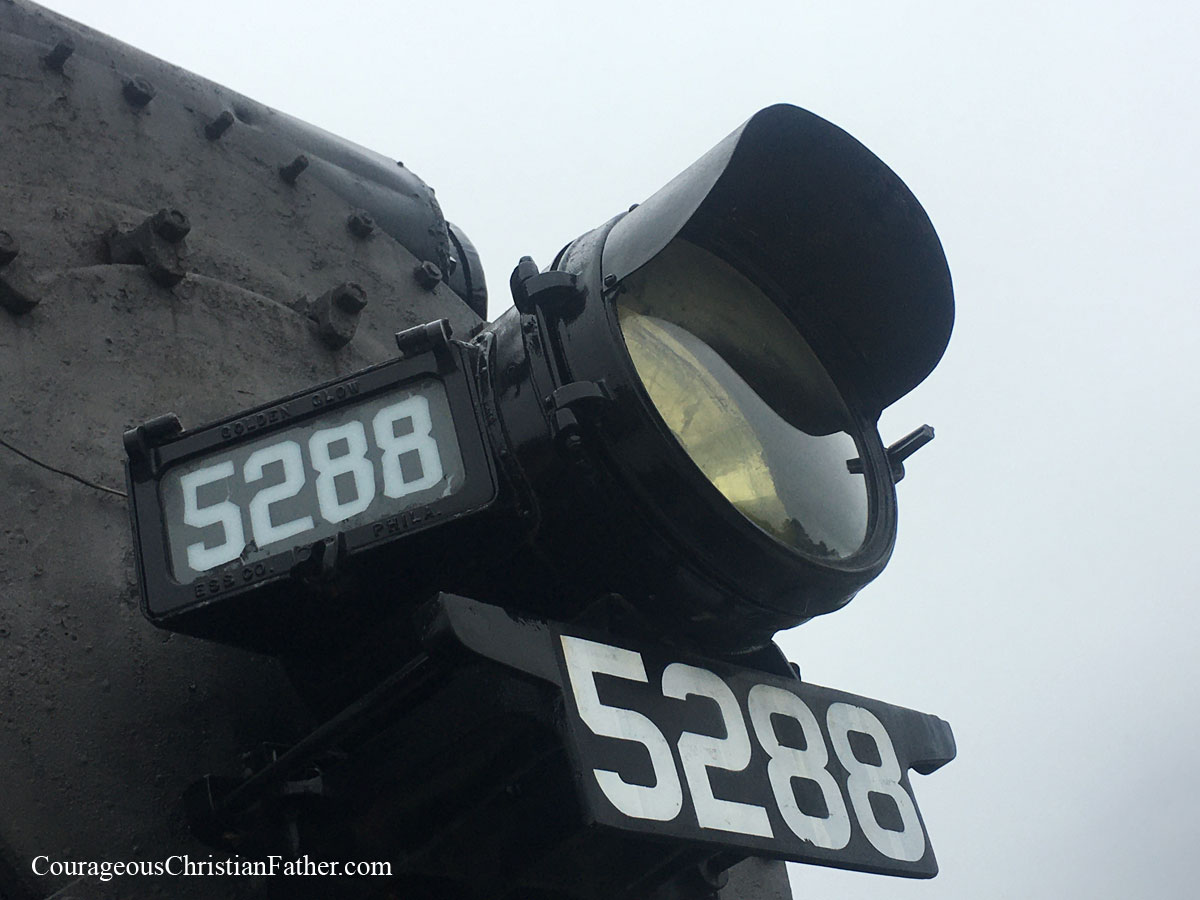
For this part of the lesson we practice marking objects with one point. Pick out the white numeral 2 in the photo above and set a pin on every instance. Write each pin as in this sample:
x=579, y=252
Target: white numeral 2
x=700, y=752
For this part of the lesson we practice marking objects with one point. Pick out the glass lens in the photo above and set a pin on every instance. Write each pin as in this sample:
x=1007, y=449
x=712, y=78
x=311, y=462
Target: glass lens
x=747, y=398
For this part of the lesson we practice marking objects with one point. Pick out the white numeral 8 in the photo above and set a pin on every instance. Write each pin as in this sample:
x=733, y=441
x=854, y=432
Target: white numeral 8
x=831, y=831
x=353, y=462
x=419, y=440
x=908, y=844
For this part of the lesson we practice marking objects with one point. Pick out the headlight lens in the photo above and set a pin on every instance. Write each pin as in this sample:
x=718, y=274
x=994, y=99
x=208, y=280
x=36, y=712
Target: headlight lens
x=747, y=398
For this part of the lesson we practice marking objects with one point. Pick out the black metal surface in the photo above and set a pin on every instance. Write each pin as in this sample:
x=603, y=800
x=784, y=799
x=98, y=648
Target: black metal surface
x=794, y=199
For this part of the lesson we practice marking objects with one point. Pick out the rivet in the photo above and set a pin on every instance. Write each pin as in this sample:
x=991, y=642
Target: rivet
x=219, y=125
x=138, y=91
x=428, y=275
x=58, y=57
x=361, y=224
x=292, y=170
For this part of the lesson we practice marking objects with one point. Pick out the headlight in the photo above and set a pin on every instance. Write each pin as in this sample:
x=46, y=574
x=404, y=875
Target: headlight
x=746, y=396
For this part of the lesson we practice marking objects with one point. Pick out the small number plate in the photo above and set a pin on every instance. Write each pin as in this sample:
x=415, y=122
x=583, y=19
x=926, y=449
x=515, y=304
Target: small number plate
x=708, y=752
x=230, y=509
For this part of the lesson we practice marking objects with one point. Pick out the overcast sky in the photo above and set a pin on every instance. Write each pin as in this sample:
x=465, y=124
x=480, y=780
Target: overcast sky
x=1042, y=594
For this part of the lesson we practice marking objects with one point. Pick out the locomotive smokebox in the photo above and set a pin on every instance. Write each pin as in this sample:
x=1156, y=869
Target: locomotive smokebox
x=165, y=245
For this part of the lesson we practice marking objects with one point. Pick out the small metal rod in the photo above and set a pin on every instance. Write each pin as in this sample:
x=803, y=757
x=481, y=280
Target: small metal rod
x=400, y=683
x=56, y=471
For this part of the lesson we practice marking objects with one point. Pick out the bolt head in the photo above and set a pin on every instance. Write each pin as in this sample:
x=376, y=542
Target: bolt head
x=9, y=248
x=138, y=91
x=58, y=57
x=428, y=275
x=171, y=225
x=219, y=125
x=350, y=297
x=292, y=170
x=361, y=224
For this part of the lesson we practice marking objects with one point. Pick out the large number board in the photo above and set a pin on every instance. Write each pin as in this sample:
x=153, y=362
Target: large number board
x=709, y=752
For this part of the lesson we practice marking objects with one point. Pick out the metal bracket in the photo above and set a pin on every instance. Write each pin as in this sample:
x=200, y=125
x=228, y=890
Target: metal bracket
x=432, y=337
x=563, y=404
x=140, y=442
x=898, y=452
x=548, y=290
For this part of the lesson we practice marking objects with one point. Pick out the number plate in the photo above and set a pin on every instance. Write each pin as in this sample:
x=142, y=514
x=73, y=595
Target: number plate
x=358, y=463
x=735, y=757
x=231, y=508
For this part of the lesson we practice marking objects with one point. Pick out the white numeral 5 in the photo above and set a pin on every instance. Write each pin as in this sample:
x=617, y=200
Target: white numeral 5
x=225, y=513
x=585, y=659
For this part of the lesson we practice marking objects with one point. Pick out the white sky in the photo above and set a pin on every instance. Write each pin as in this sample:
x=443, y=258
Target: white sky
x=1042, y=593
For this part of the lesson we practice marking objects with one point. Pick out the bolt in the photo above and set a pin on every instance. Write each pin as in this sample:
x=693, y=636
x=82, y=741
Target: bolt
x=361, y=225
x=171, y=225
x=138, y=91
x=292, y=170
x=58, y=57
x=218, y=126
x=610, y=280
x=350, y=297
x=9, y=248
x=428, y=275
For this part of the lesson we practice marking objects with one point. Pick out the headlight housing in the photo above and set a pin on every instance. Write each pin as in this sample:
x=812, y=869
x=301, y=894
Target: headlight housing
x=717, y=359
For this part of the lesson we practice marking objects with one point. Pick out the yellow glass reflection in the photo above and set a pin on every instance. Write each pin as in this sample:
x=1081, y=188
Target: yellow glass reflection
x=706, y=419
